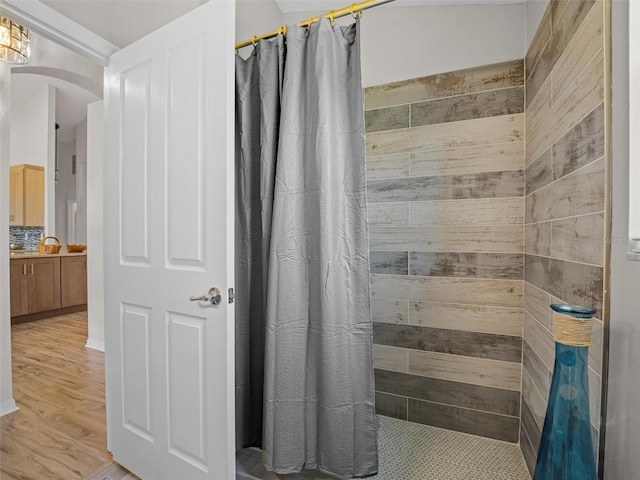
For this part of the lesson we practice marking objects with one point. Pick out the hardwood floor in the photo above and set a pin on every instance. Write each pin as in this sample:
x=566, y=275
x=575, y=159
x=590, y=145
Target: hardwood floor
x=60, y=430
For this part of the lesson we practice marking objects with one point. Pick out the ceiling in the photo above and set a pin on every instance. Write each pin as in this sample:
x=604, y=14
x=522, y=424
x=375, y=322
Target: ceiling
x=119, y=21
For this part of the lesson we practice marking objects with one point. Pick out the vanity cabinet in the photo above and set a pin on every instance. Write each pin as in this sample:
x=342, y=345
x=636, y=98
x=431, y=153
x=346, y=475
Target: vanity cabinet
x=73, y=276
x=19, y=285
x=44, y=284
x=26, y=196
x=35, y=285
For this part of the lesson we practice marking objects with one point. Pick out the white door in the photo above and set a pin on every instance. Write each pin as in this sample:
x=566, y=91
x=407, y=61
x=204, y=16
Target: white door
x=168, y=236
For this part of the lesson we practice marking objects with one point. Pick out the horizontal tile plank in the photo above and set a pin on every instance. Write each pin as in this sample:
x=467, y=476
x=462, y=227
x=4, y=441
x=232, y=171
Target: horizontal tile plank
x=391, y=405
x=539, y=173
x=578, y=193
x=536, y=303
x=528, y=451
x=536, y=369
x=536, y=113
x=487, y=399
x=390, y=310
x=447, y=187
x=499, y=427
x=470, y=318
x=579, y=239
x=387, y=118
x=584, y=95
x=388, y=166
x=506, y=101
x=505, y=293
x=500, y=238
x=534, y=399
x=457, y=368
x=588, y=39
x=534, y=432
x=395, y=214
x=477, y=211
x=470, y=344
x=540, y=39
x=392, y=263
x=576, y=283
x=540, y=340
x=459, y=82
x=537, y=238
x=583, y=144
x=595, y=396
x=507, y=266
x=563, y=30
x=476, y=159
x=391, y=358
x=465, y=133
x=595, y=350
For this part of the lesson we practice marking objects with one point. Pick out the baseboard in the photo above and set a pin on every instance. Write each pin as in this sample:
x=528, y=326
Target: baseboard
x=95, y=345
x=48, y=314
x=7, y=407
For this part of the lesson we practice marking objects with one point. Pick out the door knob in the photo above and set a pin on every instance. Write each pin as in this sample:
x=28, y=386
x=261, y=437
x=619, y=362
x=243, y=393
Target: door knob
x=213, y=296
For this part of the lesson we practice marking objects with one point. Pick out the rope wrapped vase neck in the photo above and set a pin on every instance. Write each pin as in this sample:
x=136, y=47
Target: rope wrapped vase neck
x=572, y=325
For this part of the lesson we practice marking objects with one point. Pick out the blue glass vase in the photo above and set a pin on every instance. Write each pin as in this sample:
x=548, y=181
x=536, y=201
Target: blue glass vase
x=566, y=449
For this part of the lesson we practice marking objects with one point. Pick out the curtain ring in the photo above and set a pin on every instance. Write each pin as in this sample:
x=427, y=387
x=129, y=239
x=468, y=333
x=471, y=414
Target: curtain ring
x=332, y=18
x=356, y=14
x=253, y=41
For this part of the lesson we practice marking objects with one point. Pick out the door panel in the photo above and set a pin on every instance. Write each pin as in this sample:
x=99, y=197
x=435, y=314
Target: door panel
x=186, y=400
x=168, y=236
x=136, y=381
x=135, y=85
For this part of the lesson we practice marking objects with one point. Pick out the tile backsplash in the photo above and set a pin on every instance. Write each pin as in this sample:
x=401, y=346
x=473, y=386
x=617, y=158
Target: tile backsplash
x=26, y=237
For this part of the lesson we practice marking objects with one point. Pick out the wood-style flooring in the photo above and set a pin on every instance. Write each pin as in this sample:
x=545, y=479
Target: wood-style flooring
x=60, y=430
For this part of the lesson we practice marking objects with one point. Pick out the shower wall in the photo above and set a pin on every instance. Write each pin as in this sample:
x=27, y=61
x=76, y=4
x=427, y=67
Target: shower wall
x=445, y=160
x=565, y=178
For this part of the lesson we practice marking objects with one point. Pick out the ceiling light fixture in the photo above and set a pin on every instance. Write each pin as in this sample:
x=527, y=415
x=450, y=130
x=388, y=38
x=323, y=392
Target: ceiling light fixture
x=14, y=42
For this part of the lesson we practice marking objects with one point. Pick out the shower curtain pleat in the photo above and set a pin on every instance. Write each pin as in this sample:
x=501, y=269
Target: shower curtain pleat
x=258, y=90
x=318, y=409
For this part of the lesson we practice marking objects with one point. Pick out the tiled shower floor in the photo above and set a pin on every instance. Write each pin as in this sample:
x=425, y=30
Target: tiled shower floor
x=409, y=451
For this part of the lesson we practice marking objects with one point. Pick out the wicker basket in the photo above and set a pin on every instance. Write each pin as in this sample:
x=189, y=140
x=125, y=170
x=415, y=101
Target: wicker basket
x=51, y=248
x=71, y=248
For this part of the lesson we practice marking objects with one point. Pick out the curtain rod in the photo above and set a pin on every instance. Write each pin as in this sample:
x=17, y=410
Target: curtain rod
x=351, y=10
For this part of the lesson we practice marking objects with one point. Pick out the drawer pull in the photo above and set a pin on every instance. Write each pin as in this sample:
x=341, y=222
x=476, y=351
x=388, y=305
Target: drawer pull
x=24, y=269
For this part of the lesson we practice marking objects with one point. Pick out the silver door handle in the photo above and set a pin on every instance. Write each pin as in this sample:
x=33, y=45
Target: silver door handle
x=213, y=296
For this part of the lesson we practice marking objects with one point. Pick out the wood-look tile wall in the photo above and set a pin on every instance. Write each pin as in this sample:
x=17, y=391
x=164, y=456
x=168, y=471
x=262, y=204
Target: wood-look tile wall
x=565, y=196
x=445, y=162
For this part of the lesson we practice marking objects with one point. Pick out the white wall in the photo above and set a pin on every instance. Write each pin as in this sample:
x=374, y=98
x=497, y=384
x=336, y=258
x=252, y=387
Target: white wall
x=95, y=251
x=622, y=461
x=534, y=12
x=65, y=187
x=7, y=404
x=45, y=53
x=33, y=141
x=81, y=183
x=255, y=17
x=400, y=43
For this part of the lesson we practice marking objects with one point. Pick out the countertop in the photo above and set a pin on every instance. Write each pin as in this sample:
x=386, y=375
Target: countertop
x=19, y=255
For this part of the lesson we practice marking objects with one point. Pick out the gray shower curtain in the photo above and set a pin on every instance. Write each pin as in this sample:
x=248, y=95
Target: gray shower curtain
x=258, y=90
x=318, y=367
